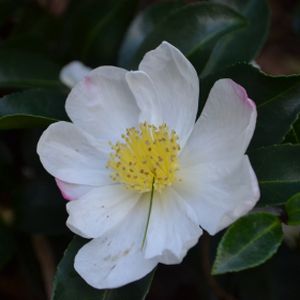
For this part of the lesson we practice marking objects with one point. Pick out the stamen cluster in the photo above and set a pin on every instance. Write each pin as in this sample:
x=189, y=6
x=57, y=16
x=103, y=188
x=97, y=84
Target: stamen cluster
x=147, y=153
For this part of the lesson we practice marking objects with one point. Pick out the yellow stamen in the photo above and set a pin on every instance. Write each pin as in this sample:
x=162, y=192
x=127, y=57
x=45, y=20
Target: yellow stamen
x=147, y=153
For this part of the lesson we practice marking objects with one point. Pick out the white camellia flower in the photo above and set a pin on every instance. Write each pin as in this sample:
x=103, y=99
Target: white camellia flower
x=145, y=179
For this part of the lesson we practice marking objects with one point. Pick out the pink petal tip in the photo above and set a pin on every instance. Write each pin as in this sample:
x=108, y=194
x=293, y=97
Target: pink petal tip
x=242, y=94
x=60, y=185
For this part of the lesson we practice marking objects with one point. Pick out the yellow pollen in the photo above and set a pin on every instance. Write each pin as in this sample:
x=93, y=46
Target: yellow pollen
x=148, y=154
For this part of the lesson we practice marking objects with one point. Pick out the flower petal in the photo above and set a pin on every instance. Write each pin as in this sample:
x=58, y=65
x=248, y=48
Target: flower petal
x=177, y=86
x=116, y=259
x=73, y=73
x=71, y=191
x=225, y=126
x=173, y=228
x=219, y=192
x=100, y=210
x=146, y=97
x=102, y=104
x=70, y=155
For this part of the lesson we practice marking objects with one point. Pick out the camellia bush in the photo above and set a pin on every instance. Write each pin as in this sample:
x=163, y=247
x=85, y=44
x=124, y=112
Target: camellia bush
x=145, y=154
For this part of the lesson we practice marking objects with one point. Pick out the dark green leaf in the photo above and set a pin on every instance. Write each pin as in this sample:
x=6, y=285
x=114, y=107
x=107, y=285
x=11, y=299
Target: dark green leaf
x=94, y=29
x=142, y=26
x=293, y=135
x=241, y=45
x=278, y=171
x=19, y=69
x=68, y=285
x=7, y=244
x=292, y=208
x=247, y=243
x=32, y=108
x=194, y=29
x=276, y=98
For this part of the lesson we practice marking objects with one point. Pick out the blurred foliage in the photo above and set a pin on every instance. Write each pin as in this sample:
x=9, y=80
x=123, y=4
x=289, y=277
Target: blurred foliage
x=293, y=210
x=221, y=38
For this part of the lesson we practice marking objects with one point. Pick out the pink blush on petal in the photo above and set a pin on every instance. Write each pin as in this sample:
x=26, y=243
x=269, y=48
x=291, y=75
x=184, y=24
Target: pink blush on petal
x=243, y=94
x=60, y=185
x=88, y=81
x=251, y=103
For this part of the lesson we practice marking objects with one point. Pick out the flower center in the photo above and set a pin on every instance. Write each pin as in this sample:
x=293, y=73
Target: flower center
x=148, y=154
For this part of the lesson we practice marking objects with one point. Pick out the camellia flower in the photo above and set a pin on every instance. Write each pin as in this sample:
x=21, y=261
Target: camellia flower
x=145, y=179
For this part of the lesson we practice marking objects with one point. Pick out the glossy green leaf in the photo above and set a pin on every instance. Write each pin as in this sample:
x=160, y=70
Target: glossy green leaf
x=142, y=26
x=241, y=45
x=293, y=135
x=247, y=243
x=19, y=69
x=276, y=98
x=278, y=171
x=106, y=36
x=94, y=30
x=68, y=285
x=32, y=108
x=7, y=244
x=194, y=29
x=292, y=208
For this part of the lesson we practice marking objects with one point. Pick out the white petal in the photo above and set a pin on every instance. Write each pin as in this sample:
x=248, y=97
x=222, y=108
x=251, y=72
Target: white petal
x=225, y=126
x=146, y=97
x=71, y=191
x=100, y=210
x=116, y=258
x=177, y=86
x=219, y=192
x=73, y=73
x=172, y=230
x=70, y=155
x=102, y=104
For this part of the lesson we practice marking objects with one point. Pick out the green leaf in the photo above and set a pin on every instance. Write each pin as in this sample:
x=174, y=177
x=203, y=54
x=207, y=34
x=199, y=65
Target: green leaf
x=278, y=171
x=247, y=243
x=194, y=29
x=292, y=208
x=276, y=98
x=68, y=285
x=94, y=29
x=241, y=45
x=106, y=36
x=142, y=26
x=293, y=135
x=7, y=244
x=19, y=69
x=32, y=108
